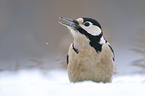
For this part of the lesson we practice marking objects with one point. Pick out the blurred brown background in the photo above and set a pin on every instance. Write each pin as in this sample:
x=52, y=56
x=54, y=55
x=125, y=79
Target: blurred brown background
x=31, y=37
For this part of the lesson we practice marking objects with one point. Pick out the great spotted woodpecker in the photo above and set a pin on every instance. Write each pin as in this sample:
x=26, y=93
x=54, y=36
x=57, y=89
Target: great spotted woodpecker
x=90, y=56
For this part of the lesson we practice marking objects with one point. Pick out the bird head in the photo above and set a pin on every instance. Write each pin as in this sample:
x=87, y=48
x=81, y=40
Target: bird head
x=86, y=30
x=85, y=26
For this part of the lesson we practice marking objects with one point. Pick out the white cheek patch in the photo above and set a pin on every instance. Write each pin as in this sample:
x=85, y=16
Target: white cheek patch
x=93, y=30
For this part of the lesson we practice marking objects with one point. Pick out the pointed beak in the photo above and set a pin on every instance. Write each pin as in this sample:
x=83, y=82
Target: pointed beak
x=73, y=23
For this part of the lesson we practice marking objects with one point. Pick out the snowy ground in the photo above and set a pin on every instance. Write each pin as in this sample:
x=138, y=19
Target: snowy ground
x=56, y=83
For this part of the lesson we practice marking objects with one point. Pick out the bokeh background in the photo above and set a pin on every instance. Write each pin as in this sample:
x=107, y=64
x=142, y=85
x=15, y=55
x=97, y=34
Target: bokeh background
x=32, y=38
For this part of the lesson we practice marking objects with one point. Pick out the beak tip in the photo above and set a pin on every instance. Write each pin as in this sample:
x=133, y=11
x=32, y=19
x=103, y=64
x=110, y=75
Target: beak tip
x=60, y=17
x=71, y=21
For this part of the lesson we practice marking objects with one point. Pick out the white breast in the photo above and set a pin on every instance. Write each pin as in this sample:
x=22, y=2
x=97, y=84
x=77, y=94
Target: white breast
x=89, y=65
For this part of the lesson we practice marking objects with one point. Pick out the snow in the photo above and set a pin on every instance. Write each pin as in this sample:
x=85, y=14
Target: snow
x=56, y=83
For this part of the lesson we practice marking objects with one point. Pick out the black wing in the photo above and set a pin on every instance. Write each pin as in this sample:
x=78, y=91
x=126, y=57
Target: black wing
x=67, y=59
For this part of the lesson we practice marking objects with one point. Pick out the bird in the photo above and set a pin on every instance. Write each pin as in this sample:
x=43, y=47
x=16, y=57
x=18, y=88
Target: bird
x=90, y=56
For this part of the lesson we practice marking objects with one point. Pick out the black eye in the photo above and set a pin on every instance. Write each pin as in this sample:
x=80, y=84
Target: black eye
x=87, y=24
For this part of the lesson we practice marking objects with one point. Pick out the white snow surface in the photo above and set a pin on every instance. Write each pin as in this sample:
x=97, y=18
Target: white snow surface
x=56, y=83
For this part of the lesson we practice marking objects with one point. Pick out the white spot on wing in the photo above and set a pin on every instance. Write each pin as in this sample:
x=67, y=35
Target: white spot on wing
x=102, y=40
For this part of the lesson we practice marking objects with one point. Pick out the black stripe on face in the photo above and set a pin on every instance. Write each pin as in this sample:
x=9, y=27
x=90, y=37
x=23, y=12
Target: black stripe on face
x=94, y=40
